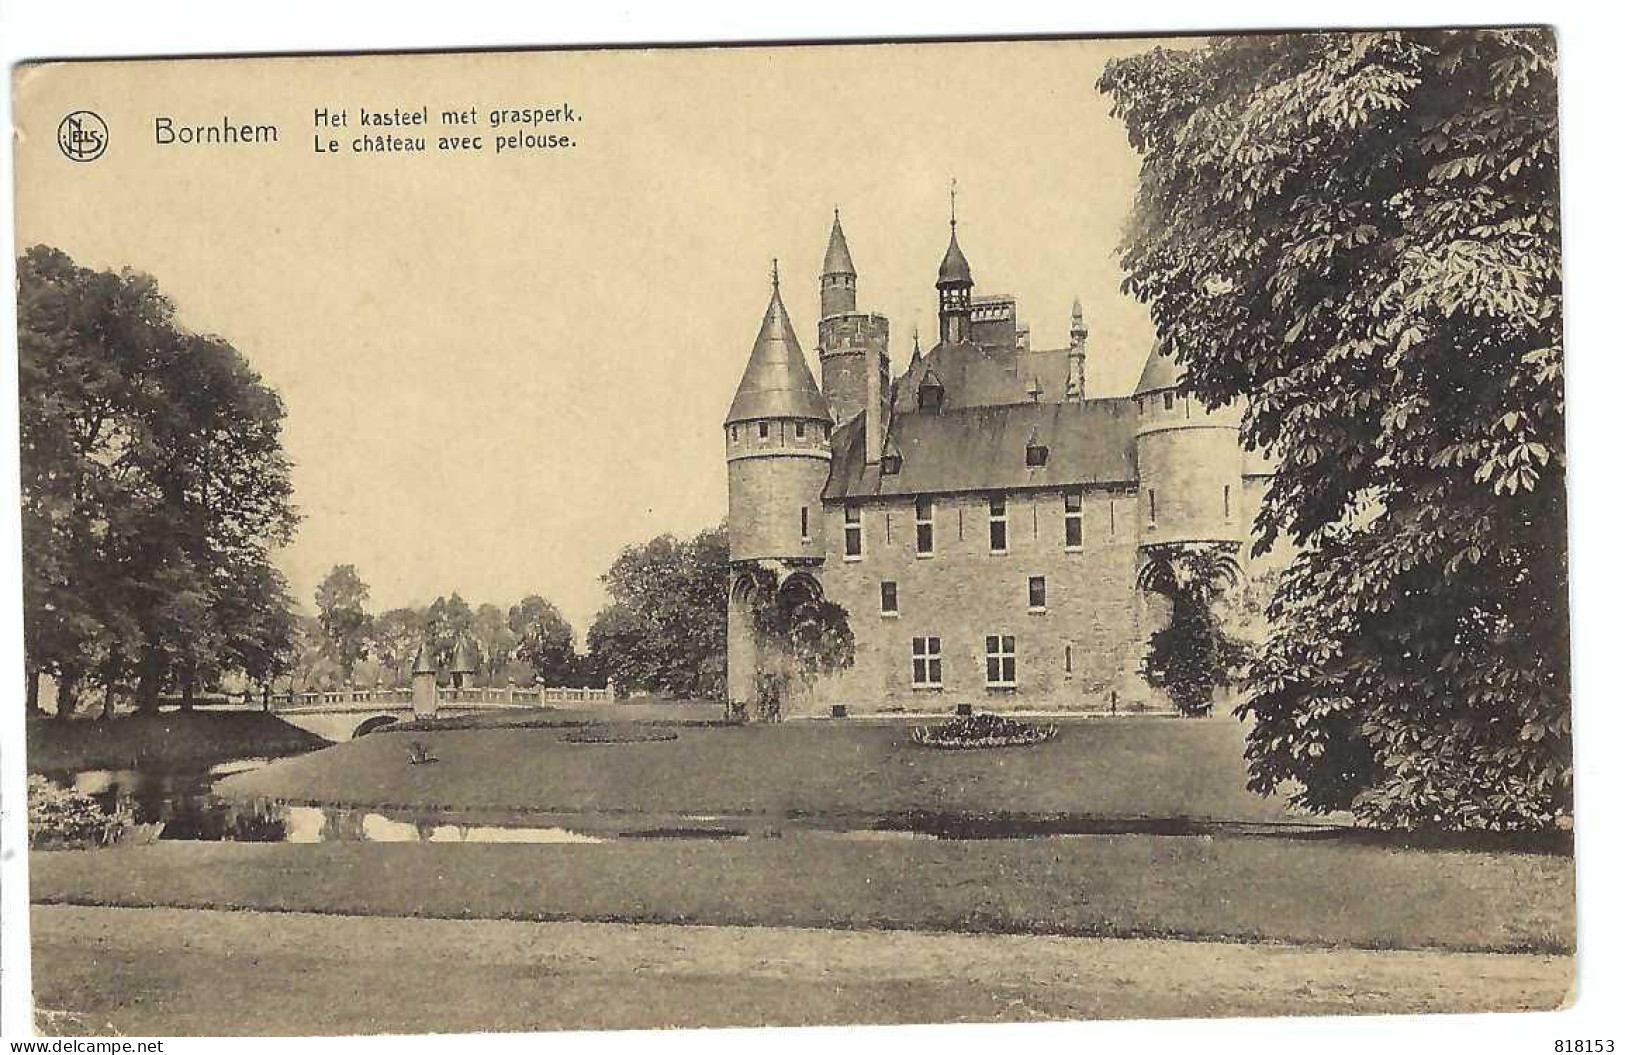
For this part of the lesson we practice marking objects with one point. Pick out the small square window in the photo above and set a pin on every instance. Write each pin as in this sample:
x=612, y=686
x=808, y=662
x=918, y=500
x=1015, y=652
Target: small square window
x=888, y=598
x=1037, y=456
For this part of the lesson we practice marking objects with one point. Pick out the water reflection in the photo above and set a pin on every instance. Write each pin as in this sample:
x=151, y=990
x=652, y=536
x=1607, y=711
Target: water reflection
x=183, y=802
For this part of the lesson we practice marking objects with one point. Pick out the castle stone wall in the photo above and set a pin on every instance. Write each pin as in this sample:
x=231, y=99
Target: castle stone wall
x=963, y=593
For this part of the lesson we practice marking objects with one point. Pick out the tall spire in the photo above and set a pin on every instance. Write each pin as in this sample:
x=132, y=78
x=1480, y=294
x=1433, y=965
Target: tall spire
x=954, y=281
x=838, y=286
x=955, y=268
x=837, y=257
x=777, y=383
x=1075, y=353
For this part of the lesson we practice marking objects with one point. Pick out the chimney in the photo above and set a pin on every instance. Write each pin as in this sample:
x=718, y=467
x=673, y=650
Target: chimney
x=872, y=437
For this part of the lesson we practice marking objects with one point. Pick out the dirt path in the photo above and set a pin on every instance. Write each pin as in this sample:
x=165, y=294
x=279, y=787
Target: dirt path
x=177, y=972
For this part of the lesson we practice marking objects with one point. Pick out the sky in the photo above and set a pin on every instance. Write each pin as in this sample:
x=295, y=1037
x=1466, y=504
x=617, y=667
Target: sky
x=500, y=369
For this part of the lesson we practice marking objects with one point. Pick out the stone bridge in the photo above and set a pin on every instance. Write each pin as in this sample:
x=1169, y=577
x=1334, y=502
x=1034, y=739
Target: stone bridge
x=345, y=714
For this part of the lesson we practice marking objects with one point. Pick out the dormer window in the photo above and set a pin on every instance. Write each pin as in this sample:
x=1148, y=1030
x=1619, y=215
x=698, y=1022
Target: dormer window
x=1037, y=455
x=891, y=464
x=931, y=397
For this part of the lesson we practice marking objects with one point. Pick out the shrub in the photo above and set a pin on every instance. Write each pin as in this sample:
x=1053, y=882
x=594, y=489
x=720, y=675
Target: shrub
x=64, y=818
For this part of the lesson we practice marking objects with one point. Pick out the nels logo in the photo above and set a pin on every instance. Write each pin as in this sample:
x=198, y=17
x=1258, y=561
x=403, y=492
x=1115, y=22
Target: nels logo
x=82, y=136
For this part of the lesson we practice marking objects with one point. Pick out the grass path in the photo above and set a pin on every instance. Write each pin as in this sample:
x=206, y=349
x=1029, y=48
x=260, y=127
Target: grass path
x=1244, y=889
x=158, y=972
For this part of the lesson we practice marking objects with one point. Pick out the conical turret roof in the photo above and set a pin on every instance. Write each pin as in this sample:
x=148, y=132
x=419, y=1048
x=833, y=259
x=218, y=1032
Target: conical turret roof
x=837, y=257
x=465, y=660
x=955, y=269
x=423, y=662
x=1161, y=371
x=777, y=383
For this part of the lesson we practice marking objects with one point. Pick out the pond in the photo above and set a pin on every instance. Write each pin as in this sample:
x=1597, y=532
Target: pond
x=183, y=801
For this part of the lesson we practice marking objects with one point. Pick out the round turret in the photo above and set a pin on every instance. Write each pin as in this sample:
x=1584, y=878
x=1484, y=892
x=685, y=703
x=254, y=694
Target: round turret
x=777, y=435
x=1189, y=461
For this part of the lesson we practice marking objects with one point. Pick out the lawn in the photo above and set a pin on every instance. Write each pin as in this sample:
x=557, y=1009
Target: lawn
x=166, y=972
x=1313, y=892
x=170, y=738
x=1126, y=768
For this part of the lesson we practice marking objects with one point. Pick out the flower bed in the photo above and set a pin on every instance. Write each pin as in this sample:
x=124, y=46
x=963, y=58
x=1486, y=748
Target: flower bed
x=982, y=730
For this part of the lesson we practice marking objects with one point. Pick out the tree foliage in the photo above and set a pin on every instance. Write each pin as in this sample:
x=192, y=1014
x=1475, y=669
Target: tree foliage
x=800, y=636
x=1358, y=234
x=543, y=639
x=1194, y=654
x=341, y=608
x=666, y=626
x=154, y=490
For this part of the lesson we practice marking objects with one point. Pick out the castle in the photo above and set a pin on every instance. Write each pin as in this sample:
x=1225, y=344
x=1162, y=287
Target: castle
x=981, y=517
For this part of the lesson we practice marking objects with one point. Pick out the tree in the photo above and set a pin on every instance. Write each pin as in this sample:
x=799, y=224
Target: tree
x=151, y=467
x=666, y=627
x=800, y=636
x=396, y=635
x=449, y=620
x=1194, y=653
x=341, y=600
x=1358, y=235
x=543, y=639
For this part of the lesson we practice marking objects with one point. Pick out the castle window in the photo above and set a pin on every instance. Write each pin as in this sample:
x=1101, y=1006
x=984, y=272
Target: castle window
x=1151, y=497
x=1167, y=401
x=1037, y=455
x=924, y=530
x=1037, y=594
x=1069, y=659
x=930, y=397
x=1074, y=519
x=1001, y=661
x=928, y=663
x=761, y=430
x=734, y=433
x=806, y=534
x=801, y=430
x=998, y=536
x=1227, y=501
x=888, y=598
x=854, y=533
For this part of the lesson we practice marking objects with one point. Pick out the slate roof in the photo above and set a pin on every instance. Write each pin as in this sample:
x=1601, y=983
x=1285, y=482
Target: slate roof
x=972, y=375
x=465, y=660
x=423, y=662
x=1160, y=372
x=955, y=268
x=837, y=257
x=985, y=449
x=777, y=383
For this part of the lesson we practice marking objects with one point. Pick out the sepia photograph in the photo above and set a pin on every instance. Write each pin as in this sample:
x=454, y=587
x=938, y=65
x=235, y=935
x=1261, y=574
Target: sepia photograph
x=831, y=533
